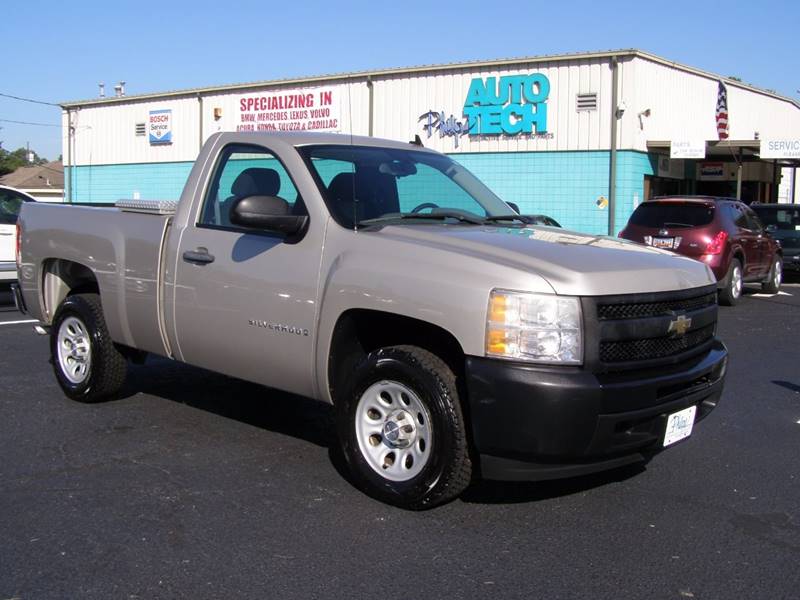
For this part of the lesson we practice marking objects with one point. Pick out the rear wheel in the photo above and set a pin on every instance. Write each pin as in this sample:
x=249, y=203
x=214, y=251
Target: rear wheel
x=87, y=365
x=772, y=283
x=731, y=291
x=402, y=430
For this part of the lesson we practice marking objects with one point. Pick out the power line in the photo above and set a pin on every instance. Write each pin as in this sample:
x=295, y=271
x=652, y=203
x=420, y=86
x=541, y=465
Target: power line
x=28, y=100
x=29, y=123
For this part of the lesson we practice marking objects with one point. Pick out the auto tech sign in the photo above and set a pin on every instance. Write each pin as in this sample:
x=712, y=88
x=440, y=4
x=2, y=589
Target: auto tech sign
x=159, y=126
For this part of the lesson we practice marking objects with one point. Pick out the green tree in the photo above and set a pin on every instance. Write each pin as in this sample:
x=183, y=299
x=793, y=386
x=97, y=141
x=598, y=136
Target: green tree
x=11, y=161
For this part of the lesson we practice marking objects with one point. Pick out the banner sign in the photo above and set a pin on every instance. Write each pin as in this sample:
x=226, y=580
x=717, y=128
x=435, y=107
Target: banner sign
x=159, y=126
x=785, y=148
x=687, y=149
x=711, y=171
x=291, y=110
x=511, y=105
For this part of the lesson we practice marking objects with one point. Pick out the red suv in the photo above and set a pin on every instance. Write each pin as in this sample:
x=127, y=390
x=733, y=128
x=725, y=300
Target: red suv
x=721, y=232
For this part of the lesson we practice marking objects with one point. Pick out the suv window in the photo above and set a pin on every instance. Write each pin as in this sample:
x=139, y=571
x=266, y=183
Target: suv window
x=10, y=205
x=738, y=216
x=782, y=218
x=672, y=214
x=247, y=171
x=753, y=222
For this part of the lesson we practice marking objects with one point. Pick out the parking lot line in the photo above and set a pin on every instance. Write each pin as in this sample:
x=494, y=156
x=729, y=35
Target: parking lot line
x=18, y=322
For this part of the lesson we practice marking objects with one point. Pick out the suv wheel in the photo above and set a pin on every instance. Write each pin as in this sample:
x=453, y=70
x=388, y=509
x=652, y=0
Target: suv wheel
x=87, y=365
x=731, y=291
x=772, y=283
x=402, y=430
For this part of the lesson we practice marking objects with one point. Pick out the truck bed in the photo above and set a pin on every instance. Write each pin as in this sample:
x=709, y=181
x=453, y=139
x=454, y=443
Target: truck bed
x=122, y=248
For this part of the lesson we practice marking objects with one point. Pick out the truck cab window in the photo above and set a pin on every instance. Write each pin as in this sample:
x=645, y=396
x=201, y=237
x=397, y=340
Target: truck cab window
x=245, y=171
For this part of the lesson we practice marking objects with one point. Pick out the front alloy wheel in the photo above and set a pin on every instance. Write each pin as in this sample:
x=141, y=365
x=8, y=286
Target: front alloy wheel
x=402, y=430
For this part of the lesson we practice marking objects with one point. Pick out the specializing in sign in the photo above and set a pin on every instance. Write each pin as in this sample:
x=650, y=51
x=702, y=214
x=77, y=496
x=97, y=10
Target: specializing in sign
x=159, y=126
x=316, y=109
x=687, y=149
x=511, y=105
x=783, y=148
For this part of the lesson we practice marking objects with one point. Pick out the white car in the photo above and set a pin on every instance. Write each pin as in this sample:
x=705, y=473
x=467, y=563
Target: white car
x=10, y=203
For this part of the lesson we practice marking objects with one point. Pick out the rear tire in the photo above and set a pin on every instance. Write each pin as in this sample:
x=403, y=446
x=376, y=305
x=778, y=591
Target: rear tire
x=731, y=290
x=402, y=430
x=772, y=284
x=87, y=365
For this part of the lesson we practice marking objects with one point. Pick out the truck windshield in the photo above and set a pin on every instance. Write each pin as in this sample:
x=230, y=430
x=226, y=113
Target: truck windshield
x=365, y=185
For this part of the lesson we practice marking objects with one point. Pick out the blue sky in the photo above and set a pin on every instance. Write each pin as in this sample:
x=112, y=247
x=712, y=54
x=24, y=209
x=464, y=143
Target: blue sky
x=57, y=51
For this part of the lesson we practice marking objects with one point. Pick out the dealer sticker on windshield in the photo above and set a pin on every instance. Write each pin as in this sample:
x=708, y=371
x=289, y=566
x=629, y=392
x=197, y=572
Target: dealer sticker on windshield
x=679, y=425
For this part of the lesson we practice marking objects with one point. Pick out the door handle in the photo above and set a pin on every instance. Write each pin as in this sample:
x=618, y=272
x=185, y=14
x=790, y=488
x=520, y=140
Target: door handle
x=200, y=256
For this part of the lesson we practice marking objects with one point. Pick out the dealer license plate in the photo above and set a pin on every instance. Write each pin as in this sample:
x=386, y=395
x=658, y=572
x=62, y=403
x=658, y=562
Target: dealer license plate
x=663, y=242
x=679, y=425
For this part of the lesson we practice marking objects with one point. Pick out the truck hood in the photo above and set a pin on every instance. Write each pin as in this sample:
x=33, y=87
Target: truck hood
x=573, y=263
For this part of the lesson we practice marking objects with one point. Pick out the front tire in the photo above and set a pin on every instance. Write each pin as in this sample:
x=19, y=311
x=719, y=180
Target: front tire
x=87, y=365
x=774, y=278
x=731, y=291
x=402, y=429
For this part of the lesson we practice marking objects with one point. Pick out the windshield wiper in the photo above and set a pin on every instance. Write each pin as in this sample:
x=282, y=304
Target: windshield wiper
x=520, y=218
x=669, y=224
x=437, y=216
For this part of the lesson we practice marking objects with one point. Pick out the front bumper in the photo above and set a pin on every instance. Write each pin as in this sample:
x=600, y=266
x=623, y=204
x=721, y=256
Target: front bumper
x=534, y=422
x=791, y=261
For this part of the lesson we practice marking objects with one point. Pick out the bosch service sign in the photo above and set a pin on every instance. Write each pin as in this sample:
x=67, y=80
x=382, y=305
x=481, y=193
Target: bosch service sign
x=159, y=126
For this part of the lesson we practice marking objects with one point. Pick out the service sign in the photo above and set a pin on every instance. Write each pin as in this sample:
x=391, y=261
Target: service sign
x=315, y=109
x=783, y=148
x=687, y=149
x=159, y=126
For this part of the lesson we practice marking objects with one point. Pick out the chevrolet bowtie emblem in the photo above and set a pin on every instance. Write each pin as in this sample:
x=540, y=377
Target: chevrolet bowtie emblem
x=680, y=325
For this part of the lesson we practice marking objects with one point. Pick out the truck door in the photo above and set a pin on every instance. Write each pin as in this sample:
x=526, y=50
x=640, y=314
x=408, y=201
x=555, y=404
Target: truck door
x=245, y=300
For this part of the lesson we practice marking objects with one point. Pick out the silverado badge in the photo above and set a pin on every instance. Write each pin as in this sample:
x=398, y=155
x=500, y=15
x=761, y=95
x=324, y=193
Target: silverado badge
x=680, y=325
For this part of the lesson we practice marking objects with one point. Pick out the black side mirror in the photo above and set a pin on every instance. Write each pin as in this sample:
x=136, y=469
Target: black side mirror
x=266, y=212
x=515, y=206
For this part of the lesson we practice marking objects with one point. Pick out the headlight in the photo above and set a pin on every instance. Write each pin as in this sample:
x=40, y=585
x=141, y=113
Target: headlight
x=534, y=327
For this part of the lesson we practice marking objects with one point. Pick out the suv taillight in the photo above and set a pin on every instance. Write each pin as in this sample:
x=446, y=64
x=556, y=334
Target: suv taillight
x=717, y=244
x=18, y=251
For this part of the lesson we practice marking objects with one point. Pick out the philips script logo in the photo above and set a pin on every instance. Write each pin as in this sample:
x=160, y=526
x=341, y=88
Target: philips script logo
x=511, y=105
x=446, y=126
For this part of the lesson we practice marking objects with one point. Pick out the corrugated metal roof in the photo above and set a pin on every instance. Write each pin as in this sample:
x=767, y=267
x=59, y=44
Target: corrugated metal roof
x=628, y=52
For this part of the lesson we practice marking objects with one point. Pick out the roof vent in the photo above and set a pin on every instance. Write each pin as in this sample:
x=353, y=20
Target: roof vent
x=586, y=101
x=141, y=129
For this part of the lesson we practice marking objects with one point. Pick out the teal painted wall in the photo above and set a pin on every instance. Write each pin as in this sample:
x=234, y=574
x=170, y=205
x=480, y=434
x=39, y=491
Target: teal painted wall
x=563, y=185
x=109, y=183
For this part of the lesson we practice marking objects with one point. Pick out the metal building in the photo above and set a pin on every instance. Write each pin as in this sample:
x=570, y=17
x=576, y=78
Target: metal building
x=544, y=132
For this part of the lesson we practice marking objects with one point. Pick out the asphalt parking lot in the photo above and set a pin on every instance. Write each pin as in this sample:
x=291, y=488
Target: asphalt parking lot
x=195, y=485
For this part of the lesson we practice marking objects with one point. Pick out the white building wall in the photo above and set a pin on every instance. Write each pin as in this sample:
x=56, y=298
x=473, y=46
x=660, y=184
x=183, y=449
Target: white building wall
x=106, y=134
x=401, y=100
x=683, y=107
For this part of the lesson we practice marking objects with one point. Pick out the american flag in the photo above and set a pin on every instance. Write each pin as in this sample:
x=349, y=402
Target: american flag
x=722, y=111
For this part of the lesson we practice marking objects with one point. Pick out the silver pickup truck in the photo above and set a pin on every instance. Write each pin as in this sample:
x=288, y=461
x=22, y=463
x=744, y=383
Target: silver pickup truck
x=454, y=338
